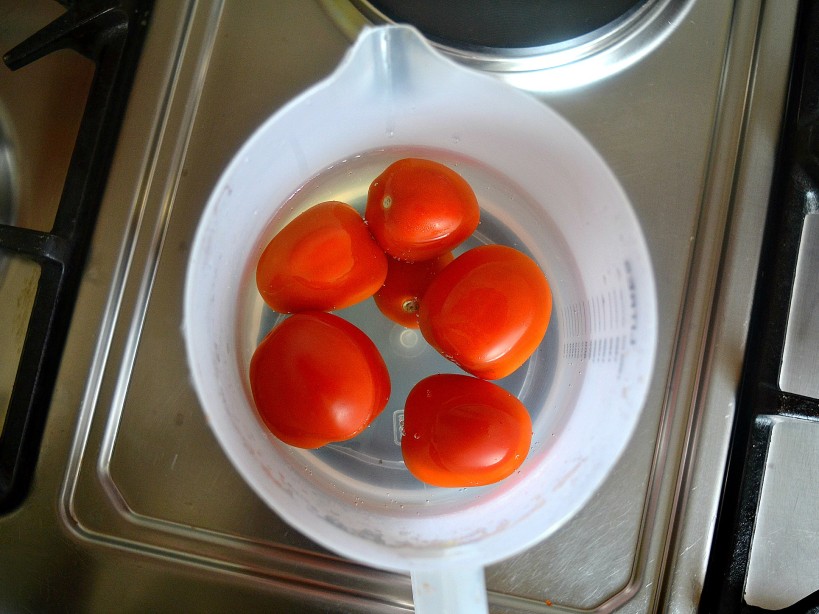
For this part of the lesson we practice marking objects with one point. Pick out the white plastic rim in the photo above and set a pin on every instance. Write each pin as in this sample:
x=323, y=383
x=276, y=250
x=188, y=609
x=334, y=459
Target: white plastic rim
x=392, y=90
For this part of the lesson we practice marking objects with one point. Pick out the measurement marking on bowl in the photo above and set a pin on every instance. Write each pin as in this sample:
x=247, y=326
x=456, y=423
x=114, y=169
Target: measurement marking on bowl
x=398, y=426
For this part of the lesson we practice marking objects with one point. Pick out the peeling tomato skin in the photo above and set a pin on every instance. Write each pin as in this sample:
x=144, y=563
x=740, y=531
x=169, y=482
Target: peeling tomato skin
x=419, y=209
x=462, y=431
x=324, y=259
x=317, y=379
x=487, y=311
x=406, y=282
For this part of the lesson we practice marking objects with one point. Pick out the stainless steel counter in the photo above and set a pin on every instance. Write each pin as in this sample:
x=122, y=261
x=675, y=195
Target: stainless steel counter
x=134, y=505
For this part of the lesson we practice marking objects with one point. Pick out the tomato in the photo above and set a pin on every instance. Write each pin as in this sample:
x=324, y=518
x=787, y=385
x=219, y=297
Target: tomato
x=487, y=311
x=406, y=282
x=462, y=431
x=316, y=379
x=419, y=209
x=324, y=259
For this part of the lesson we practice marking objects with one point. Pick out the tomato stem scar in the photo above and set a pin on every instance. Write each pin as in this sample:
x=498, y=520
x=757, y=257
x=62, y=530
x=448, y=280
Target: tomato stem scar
x=410, y=305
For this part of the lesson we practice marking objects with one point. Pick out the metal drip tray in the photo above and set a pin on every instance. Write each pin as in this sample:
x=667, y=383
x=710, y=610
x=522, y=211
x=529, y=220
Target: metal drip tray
x=141, y=486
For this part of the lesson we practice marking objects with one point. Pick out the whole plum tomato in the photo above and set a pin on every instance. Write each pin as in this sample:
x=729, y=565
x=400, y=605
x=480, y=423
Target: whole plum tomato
x=487, y=310
x=324, y=259
x=317, y=379
x=406, y=282
x=418, y=209
x=463, y=431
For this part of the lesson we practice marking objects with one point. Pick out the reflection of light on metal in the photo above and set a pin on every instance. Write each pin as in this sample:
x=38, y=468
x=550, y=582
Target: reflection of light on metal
x=811, y=201
x=8, y=181
x=8, y=187
x=560, y=66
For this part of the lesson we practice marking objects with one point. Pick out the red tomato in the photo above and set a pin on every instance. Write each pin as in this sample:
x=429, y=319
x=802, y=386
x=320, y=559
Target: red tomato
x=324, y=259
x=419, y=209
x=316, y=379
x=406, y=282
x=462, y=431
x=487, y=311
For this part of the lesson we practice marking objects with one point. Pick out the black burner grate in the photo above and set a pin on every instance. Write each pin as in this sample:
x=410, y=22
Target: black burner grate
x=110, y=33
x=797, y=175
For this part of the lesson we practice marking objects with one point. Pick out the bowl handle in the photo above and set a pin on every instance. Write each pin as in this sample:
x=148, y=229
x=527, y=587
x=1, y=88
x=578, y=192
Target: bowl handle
x=449, y=591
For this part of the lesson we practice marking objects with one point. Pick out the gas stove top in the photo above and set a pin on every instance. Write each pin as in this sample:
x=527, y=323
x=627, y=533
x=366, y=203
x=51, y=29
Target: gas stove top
x=131, y=504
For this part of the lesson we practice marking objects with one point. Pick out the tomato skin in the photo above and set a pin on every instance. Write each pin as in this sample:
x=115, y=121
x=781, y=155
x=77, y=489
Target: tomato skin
x=463, y=431
x=317, y=379
x=324, y=259
x=406, y=282
x=487, y=311
x=419, y=209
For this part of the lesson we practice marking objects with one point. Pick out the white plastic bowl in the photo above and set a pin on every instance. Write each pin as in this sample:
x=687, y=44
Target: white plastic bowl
x=543, y=189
